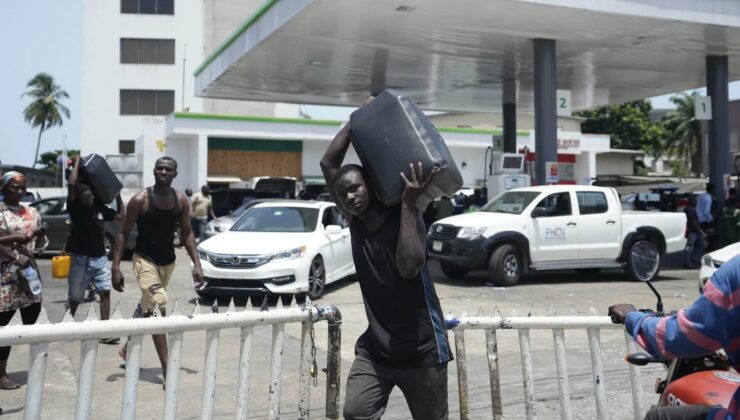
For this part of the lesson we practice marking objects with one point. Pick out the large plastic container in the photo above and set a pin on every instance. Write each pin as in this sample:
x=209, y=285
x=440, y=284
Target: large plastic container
x=389, y=133
x=104, y=182
x=60, y=266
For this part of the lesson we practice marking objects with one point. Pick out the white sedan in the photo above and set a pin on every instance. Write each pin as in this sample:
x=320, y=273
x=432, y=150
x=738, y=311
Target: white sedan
x=714, y=260
x=278, y=248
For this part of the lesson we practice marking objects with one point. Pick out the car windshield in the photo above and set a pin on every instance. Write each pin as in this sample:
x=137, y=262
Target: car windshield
x=512, y=202
x=277, y=219
x=241, y=209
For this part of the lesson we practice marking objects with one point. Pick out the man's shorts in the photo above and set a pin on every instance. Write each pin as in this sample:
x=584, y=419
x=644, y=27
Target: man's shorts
x=85, y=270
x=152, y=280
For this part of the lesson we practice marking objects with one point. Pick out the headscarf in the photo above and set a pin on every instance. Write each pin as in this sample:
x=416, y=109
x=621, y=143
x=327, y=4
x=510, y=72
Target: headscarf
x=10, y=176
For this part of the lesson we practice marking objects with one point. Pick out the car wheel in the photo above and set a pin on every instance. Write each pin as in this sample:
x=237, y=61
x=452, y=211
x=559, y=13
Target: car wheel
x=505, y=266
x=453, y=271
x=588, y=272
x=643, y=260
x=108, y=243
x=316, y=278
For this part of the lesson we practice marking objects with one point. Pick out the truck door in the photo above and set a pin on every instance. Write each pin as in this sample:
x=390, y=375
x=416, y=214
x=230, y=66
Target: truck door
x=600, y=226
x=555, y=229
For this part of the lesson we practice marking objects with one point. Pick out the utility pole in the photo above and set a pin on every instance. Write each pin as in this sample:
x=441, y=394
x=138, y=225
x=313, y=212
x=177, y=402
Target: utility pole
x=64, y=161
x=184, y=59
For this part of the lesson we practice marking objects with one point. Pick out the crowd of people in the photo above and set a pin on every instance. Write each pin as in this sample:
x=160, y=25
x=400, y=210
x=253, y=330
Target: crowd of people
x=405, y=344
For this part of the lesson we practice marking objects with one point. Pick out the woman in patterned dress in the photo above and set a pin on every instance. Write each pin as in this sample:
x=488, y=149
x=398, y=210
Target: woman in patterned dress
x=22, y=231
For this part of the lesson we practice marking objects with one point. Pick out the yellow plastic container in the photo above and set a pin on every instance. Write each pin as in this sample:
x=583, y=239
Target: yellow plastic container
x=60, y=266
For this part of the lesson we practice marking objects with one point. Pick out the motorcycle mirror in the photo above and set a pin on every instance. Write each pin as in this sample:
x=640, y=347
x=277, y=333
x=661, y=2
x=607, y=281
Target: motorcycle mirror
x=639, y=359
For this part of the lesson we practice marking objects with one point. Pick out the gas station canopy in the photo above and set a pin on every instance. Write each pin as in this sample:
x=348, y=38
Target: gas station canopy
x=459, y=55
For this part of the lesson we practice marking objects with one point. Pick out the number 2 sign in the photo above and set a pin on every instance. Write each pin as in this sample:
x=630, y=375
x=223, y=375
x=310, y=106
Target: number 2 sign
x=563, y=105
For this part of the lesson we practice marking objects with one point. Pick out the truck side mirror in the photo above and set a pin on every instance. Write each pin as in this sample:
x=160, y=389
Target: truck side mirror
x=539, y=212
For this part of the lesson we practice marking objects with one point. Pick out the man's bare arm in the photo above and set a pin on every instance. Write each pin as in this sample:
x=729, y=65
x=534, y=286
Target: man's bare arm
x=410, y=249
x=186, y=234
x=134, y=208
x=333, y=158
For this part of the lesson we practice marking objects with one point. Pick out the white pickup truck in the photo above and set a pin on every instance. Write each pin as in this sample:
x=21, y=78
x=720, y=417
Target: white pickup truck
x=554, y=228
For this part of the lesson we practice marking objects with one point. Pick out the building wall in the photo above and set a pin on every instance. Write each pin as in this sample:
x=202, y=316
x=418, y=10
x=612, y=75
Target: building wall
x=103, y=75
x=615, y=165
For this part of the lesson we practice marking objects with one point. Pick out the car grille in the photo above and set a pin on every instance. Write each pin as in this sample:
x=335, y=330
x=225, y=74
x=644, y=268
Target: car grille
x=235, y=283
x=237, y=261
x=443, y=232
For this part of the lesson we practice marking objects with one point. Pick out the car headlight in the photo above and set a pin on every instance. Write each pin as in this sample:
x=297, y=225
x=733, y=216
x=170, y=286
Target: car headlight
x=707, y=260
x=289, y=254
x=202, y=255
x=471, y=232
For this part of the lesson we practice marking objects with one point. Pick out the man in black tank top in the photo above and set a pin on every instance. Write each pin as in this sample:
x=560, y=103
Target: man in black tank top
x=405, y=344
x=156, y=212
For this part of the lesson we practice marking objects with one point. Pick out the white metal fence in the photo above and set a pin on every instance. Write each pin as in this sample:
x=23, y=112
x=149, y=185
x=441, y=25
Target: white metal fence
x=591, y=325
x=40, y=335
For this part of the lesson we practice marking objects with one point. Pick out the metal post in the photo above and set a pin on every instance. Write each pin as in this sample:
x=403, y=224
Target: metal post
x=545, y=111
x=210, y=369
x=36, y=376
x=509, y=115
x=636, y=379
x=527, y=374
x=719, y=126
x=245, y=366
x=276, y=370
x=131, y=380
x=304, y=381
x=174, y=357
x=493, y=373
x=594, y=343
x=564, y=390
x=334, y=364
x=462, y=373
x=88, y=353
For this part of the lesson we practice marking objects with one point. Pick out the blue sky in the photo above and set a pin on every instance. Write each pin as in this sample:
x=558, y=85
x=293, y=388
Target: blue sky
x=45, y=35
x=38, y=35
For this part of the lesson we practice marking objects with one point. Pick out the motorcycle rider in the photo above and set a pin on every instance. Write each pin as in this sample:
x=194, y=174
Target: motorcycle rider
x=711, y=323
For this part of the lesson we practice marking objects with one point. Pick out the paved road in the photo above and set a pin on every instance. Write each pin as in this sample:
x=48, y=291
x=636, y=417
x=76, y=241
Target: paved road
x=563, y=293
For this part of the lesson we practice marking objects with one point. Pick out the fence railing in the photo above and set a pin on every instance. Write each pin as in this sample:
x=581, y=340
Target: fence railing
x=89, y=332
x=558, y=324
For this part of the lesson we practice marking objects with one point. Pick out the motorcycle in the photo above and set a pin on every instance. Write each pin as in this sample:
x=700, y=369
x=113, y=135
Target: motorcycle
x=701, y=380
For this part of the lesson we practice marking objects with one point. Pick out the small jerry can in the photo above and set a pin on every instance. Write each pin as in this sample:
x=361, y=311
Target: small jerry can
x=60, y=266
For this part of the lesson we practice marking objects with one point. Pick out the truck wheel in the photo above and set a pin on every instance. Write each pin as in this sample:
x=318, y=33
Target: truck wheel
x=643, y=260
x=453, y=271
x=505, y=266
x=588, y=272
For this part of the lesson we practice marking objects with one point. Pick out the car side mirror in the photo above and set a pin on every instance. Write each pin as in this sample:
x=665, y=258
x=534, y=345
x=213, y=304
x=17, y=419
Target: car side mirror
x=539, y=212
x=333, y=230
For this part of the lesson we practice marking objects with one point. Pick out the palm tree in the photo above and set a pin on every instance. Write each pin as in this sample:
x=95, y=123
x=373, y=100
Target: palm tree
x=45, y=110
x=683, y=139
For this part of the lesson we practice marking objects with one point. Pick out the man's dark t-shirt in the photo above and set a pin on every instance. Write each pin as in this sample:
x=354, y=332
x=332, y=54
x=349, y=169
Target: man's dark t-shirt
x=406, y=326
x=692, y=220
x=88, y=236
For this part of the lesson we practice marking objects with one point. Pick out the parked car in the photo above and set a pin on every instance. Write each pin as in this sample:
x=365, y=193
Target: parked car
x=552, y=228
x=54, y=215
x=713, y=261
x=224, y=223
x=324, y=197
x=278, y=248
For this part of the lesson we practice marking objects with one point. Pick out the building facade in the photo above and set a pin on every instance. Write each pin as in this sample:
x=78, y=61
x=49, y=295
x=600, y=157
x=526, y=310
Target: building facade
x=138, y=58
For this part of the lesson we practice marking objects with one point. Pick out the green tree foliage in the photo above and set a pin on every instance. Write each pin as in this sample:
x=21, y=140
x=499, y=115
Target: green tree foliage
x=628, y=124
x=45, y=109
x=48, y=160
x=683, y=139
